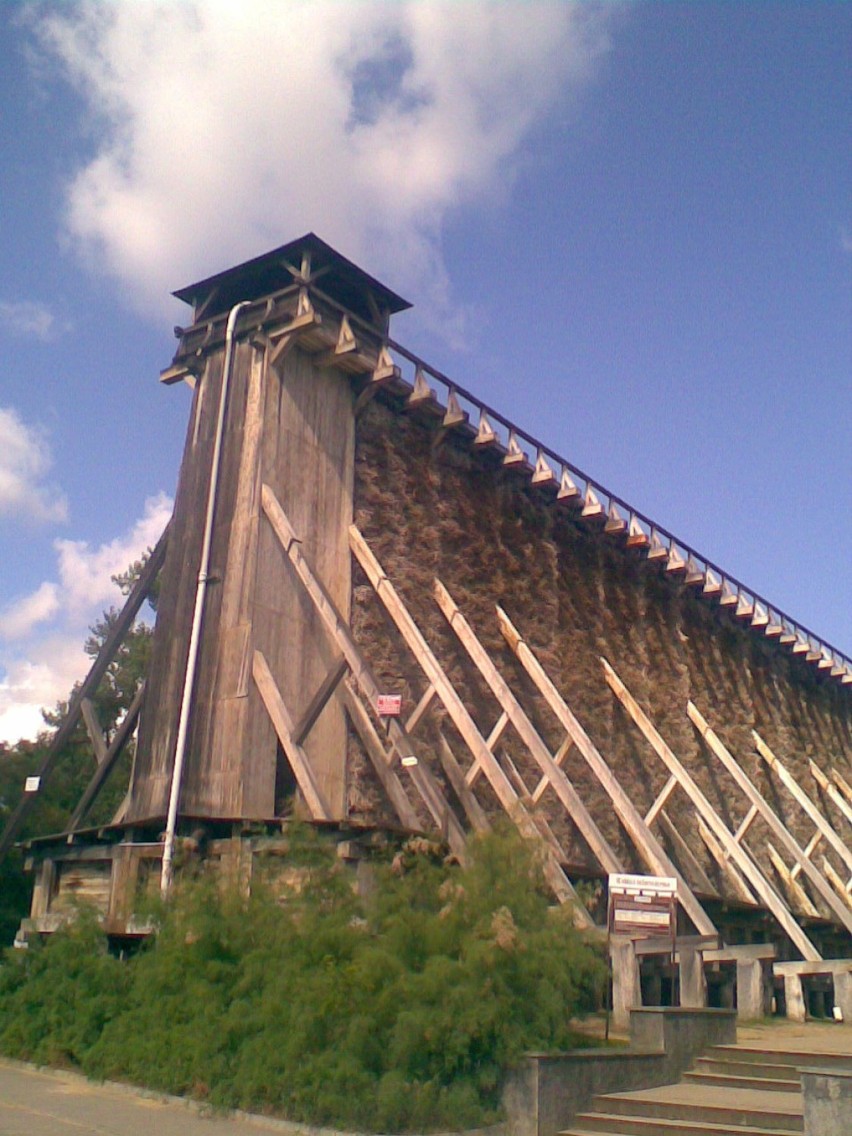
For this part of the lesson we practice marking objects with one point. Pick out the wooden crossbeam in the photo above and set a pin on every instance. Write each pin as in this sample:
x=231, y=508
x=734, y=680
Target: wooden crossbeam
x=528, y=734
x=93, y=729
x=810, y=847
x=300, y=763
x=562, y=887
x=559, y=758
x=803, y=800
x=830, y=791
x=660, y=803
x=340, y=632
x=649, y=847
x=797, y=893
x=732, y=874
x=779, y=830
x=745, y=824
x=87, y=688
x=473, y=810
x=710, y=818
x=416, y=716
x=318, y=703
x=119, y=740
x=686, y=856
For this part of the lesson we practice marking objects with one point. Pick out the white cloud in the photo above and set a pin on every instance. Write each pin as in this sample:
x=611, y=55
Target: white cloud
x=19, y=618
x=221, y=130
x=43, y=655
x=28, y=317
x=25, y=460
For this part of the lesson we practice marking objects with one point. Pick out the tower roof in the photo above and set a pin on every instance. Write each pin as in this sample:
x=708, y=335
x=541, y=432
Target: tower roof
x=307, y=259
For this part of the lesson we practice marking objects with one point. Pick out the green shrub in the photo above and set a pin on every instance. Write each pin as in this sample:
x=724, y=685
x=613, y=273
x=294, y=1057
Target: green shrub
x=401, y=1012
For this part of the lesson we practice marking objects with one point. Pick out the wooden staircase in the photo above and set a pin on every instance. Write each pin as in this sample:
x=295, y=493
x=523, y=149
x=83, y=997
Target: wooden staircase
x=734, y=1089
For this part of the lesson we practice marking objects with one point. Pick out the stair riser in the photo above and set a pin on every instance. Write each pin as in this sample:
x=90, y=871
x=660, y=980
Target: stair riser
x=796, y=1059
x=768, y=1072
x=720, y=1080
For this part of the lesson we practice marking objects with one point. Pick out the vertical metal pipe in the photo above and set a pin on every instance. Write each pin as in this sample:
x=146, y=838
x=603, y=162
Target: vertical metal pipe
x=198, y=613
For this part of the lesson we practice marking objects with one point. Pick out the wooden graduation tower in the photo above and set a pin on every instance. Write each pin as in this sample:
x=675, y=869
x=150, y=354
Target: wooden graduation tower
x=289, y=425
x=342, y=531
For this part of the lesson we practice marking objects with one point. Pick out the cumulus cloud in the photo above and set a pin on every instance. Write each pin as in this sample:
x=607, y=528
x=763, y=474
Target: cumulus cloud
x=42, y=634
x=28, y=317
x=221, y=130
x=25, y=461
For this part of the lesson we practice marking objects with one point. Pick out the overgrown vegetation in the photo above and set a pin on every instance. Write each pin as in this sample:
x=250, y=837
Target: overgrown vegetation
x=397, y=1012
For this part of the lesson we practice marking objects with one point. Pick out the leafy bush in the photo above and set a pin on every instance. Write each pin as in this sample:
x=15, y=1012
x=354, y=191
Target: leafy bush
x=399, y=1012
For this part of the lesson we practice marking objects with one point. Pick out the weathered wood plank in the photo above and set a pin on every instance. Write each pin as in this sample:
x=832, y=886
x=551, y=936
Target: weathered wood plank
x=473, y=810
x=562, y=786
x=756, y=879
x=647, y=844
x=779, y=831
x=687, y=857
x=284, y=728
x=318, y=703
x=661, y=801
x=94, y=729
x=798, y=895
x=740, y=887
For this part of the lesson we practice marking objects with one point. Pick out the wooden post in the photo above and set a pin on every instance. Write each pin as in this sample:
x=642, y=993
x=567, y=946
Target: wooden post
x=747, y=866
x=693, y=984
x=827, y=893
x=647, y=844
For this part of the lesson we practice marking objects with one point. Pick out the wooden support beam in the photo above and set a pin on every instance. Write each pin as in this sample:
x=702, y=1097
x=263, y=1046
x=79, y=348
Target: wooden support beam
x=568, y=492
x=779, y=830
x=319, y=701
x=119, y=740
x=592, y=508
x=636, y=535
x=473, y=810
x=836, y=882
x=89, y=685
x=461, y=719
x=416, y=716
x=810, y=848
x=563, y=787
x=803, y=800
x=830, y=791
x=657, y=550
x=421, y=393
x=798, y=895
x=372, y=743
x=284, y=728
x=842, y=784
x=543, y=475
x=745, y=824
x=731, y=873
x=756, y=879
x=93, y=729
x=660, y=803
x=686, y=856
x=559, y=758
x=649, y=847
x=341, y=634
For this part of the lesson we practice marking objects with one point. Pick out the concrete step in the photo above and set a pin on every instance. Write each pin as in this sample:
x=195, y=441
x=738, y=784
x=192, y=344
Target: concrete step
x=768, y=1070
x=601, y=1124
x=792, y=1083
x=799, y=1058
x=707, y=1104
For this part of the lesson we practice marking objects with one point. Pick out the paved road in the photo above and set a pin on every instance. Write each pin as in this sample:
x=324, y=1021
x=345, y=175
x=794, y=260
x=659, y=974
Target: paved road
x=38, y=1103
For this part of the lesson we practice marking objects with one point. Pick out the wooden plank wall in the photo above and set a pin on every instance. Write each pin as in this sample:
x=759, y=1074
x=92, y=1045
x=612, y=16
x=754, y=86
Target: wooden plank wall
x=292, y=426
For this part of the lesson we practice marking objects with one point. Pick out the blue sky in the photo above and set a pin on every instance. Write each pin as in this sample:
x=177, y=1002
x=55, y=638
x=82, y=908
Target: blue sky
x=628, y=227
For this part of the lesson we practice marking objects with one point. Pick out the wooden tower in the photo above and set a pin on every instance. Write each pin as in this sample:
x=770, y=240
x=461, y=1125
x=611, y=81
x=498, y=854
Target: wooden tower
x=351, y=524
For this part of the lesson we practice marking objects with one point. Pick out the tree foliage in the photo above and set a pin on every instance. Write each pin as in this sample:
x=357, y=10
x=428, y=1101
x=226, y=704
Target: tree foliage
x=400, y=1012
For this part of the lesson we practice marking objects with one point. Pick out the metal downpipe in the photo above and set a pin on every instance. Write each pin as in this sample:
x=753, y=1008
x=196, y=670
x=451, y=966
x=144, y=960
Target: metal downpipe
x=198, y=613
